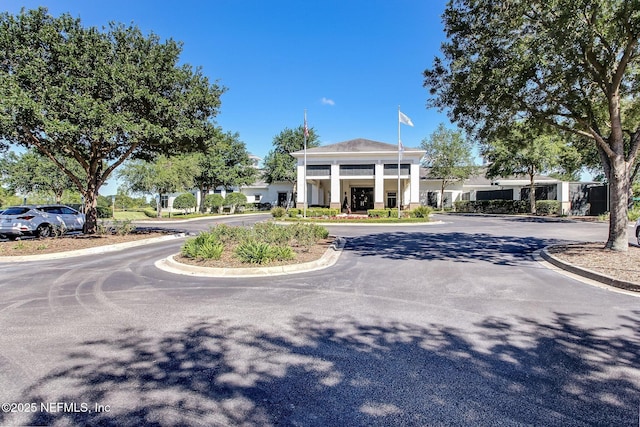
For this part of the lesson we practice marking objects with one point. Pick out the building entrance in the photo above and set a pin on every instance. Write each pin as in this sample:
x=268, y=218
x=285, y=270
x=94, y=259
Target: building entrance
x=361, y=198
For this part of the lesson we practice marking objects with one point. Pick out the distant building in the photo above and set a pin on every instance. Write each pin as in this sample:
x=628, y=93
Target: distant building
x=366, y=173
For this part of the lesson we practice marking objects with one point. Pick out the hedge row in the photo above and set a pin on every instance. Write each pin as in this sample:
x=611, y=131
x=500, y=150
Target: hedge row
x=543, y=207
x=313, y=212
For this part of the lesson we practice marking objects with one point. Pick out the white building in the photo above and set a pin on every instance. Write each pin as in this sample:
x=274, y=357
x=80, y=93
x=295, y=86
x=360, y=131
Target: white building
x=366, y=173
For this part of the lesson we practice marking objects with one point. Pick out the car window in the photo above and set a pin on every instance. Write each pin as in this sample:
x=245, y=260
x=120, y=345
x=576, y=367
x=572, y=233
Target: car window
x=51, y=209
x=67, y=211
x=15, y=211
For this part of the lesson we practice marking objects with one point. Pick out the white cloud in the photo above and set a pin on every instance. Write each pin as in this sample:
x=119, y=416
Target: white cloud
x=327, y=101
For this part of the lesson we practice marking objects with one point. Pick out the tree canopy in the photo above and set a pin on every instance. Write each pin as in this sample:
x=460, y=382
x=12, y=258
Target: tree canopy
x=448, y=157
x=224, y=163
x=523, y=153
x=279, y=164
x=98, y=96
x=163, y=176
x=31, y=172
x=570, y=64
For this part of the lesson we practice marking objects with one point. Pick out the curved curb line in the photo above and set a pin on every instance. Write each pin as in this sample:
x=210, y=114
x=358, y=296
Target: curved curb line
x=379, y=224
x=329, y=258
x=90, y=251
x=589, y=274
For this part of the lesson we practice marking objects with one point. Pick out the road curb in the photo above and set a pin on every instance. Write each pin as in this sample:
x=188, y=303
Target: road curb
x=91, y=251
x=329, y=258
x=589, y=274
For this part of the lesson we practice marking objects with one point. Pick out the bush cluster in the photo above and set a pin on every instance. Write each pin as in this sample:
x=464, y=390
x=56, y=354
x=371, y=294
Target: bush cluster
x=492, y=206
x=263, y=243
x=547, y=207
x=313, y=212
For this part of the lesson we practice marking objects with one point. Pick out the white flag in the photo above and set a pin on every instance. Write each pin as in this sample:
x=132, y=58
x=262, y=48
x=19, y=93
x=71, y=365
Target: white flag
x=404, y=119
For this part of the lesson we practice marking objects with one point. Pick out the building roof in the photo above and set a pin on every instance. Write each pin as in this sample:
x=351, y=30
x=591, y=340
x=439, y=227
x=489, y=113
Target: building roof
x=481, y=179
x=359, y=145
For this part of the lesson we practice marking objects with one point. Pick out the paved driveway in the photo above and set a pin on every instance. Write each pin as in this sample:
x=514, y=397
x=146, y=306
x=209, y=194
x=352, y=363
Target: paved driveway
x=449, y=324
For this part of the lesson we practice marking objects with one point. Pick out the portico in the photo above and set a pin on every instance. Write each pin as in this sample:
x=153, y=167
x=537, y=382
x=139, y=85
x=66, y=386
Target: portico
x=364, y=171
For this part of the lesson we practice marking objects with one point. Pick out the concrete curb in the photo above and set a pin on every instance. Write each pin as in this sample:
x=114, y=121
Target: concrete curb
x=589, y=274
x=165, y=221
x=91, y=251
x=329, y=258
x=356, y=224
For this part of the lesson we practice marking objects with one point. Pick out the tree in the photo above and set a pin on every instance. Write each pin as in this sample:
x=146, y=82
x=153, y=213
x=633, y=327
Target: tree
x=225, y=163
x=98, y=97
x=448, y=157
x=523, y=153
x=185, y=201
x=279, y=165
x=214, y=201
x=569, y=64
x=234, y=200
x=163, y=176
x=32, y=172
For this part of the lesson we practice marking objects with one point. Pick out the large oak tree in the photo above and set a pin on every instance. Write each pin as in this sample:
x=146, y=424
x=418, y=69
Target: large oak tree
x=572, y=64
x=99, y=96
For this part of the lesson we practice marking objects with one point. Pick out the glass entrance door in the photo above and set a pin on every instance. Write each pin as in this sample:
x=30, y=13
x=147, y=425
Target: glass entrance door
x=361, y=198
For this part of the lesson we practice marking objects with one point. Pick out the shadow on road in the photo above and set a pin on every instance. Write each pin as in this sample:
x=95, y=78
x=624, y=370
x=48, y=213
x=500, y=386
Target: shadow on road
x=455, y=246
x=339, y=371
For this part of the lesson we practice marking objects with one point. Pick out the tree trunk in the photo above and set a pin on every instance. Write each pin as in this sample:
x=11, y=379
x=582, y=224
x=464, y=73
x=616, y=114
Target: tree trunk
x=442, y=187
x=90, y=208
x=618, y=205
x=159, y=206
x=532, y=194
x=204, y=190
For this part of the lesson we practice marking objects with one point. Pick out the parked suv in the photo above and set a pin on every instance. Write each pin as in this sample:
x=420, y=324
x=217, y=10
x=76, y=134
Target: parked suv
x=39, y=220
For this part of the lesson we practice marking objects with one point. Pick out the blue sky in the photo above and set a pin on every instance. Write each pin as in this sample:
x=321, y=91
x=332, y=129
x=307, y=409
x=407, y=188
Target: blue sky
x=350, y=64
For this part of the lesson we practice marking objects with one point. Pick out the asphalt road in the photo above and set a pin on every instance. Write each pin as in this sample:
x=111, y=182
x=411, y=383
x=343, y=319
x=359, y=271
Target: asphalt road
x=446, y=324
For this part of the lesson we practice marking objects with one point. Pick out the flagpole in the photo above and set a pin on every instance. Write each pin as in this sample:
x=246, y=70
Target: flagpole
x=399, y=142
x=304, y=191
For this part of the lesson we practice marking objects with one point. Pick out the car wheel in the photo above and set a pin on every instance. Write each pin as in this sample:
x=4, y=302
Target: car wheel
x=43, y=231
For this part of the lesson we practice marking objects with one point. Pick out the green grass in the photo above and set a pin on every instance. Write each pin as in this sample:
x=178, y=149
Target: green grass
x=129, y=215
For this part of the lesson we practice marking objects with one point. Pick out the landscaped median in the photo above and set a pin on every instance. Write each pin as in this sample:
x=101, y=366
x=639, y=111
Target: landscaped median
x=592, y=261
x=264, y=249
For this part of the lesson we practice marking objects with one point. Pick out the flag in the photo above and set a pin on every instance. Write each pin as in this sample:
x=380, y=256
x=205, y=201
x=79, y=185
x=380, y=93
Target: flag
x=306, y=129
x=400, y=149
x=404, y=119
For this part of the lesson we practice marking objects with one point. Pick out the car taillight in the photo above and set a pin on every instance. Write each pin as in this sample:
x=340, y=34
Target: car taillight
x=27, y=217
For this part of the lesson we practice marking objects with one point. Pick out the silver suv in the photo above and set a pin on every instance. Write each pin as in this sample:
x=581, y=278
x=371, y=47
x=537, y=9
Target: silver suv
x=39, y=220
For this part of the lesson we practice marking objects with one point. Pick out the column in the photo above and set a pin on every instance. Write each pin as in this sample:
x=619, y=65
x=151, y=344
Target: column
x=378, y=188
x=300, y=184
x=414, y=184
x=335, y=186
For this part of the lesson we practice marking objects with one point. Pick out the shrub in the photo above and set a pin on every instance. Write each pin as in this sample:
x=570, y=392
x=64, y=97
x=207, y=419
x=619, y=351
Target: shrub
x=123, y=228
x=205, y=245
x=294, y=212
x=634, y=214
x=235, y=200
x=253, y=252
x=278, y=212
x=547, y=207
x=225, y=233
x=283, y=253
x=492, y=206
x=378, y=213
x=271, y=233
x=104, y=211
x=421, y=212
x=185, y=201
x=214, y=201
x=320, y=212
